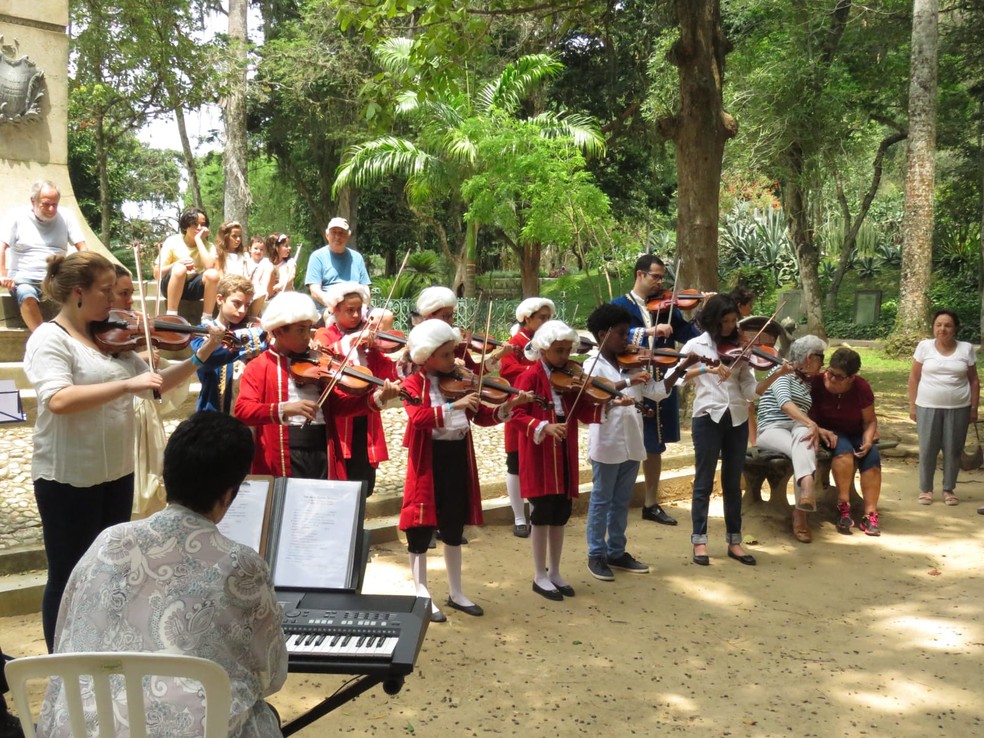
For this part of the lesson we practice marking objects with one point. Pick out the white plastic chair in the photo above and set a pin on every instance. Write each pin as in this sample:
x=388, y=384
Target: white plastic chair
x=133, y=666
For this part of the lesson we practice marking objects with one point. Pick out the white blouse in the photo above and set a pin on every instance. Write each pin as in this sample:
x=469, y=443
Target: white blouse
x=89, y=447
x=714, y=397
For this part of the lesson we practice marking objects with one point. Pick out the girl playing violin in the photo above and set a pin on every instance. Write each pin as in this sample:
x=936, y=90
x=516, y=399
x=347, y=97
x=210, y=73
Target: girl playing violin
x=293, y=438
x=548, y=457
x=442, y=489
x=531, y=313
x=83, y=458
x=363, y=438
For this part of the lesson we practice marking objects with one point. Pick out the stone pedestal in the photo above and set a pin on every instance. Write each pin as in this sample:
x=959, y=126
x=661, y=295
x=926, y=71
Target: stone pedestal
x=38, y=149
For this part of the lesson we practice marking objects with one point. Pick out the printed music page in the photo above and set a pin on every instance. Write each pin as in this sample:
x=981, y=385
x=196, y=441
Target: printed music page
x=246, y=519
x=317, y=543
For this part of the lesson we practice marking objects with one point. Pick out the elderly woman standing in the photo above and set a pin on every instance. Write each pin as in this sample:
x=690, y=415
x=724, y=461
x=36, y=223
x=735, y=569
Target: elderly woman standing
x=943, y=393
x=785, y=426
x=844, y=404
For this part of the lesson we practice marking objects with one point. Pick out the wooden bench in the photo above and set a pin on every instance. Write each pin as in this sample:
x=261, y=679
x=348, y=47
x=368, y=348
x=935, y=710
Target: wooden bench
x=765, y=465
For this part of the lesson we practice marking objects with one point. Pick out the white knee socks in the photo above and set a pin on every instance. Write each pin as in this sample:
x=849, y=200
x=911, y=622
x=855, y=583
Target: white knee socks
x=538, y=539
x=556, y=549
x=516, y=501
x=452, y=562
x=418, y=567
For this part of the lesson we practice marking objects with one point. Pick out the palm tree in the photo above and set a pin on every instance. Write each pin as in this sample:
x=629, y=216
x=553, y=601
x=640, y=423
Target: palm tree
x=444, y=152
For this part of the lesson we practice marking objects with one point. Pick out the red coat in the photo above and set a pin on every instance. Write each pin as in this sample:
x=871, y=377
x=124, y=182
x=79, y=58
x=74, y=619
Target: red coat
x=513, y=365
x=262, y=388
x=418, y=492
x=382, y=367
x=541, y=466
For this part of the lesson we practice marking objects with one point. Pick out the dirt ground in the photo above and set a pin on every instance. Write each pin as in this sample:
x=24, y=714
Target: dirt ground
x=847, y=636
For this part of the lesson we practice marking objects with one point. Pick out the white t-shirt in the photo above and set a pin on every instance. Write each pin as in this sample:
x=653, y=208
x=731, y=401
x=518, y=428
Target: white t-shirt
x=944, y=382
x=89, y=447
x=32, y=241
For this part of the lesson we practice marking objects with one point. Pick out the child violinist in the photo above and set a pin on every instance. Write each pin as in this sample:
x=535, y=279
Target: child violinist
x=363, y=437
x=548, y=458
x=440, y=458
x=616, y=447
x=531, y=313
x=293, y=439
x=233, y=296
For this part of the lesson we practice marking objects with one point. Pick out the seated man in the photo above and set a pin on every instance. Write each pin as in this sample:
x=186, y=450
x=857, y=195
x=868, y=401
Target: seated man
x=334, y=263
x=174, y=584
x=186, y=264
x=32, y=235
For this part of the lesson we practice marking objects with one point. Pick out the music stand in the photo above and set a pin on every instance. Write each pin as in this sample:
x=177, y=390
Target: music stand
x=11, y=405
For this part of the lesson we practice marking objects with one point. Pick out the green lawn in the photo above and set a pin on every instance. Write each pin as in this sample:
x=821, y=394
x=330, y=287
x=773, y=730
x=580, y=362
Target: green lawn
x=888, y=378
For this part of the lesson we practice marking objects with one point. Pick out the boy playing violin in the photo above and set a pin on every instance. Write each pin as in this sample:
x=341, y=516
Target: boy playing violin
x=235, y=293
x=442, y=489
x=548, y=458
x=616, y=445
x=362, y=437
x=293, y=439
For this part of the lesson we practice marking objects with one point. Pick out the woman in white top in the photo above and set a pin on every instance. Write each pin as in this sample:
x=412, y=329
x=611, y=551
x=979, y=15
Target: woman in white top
x=230, y=256
x=82, y=465
x=943, y=394
x=284, y=267
x=720, y=426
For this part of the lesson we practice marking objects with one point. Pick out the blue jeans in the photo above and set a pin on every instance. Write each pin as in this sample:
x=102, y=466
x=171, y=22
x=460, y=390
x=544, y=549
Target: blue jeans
x=26, y=290
x=611, y=493
x=713, y=440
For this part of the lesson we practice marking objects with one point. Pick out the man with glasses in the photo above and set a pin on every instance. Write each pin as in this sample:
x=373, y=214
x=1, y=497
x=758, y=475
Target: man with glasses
x=334, y=263
x=32, y=235
x=656, y=330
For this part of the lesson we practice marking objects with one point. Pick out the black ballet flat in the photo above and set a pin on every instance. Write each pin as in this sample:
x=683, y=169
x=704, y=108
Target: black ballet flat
x=746, y=559
x=475, y=610
x=551, y=594
x=567, y=590
x=702, y=559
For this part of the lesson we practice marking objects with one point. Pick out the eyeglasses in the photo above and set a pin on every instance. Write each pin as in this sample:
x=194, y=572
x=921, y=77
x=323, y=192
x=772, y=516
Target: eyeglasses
x=837, y=377
x=655, y=276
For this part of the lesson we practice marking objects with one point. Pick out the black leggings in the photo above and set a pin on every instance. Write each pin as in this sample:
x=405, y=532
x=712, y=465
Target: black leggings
x=451, y=477
x=71, y=518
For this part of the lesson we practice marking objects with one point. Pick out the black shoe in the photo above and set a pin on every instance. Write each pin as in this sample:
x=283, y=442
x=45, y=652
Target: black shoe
x=746, y=559
x=626, y=562
x=657, y=514
x=475, y=610
x=702, y=559
x=433, y=540
x=438, y=617
x=521, y=531
x=464, y=541
x=599, y=569
x=566, y=590
x=550, y=594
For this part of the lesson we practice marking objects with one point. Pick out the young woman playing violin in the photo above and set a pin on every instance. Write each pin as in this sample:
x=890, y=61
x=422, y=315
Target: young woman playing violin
x=663, y=328
x=363, y=437
x=442, y=489
x=531, y=313
x=720, y=425
x=83, y=442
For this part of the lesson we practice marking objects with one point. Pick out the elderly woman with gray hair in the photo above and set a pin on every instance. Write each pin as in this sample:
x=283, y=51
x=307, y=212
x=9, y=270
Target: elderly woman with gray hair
x=785, y=426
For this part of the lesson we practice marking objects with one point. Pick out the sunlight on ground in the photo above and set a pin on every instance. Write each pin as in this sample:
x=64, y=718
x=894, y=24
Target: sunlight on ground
x=717, y=593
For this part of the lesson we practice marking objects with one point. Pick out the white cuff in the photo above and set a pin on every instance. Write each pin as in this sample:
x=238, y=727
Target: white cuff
x=540, y=432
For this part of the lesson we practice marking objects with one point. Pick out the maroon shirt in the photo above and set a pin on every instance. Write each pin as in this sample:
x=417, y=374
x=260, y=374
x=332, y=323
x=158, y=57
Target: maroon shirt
x=841, y=413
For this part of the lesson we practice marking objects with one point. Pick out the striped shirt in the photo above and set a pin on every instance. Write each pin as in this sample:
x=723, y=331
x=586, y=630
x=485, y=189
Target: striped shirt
x=788, y=388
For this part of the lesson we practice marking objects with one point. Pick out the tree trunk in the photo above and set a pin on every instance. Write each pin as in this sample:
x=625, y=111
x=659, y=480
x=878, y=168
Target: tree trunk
x=529, y=266
x=470, y=259
x=699, y=132
x=347, y=206
x=917, y=221
x=235, y=162
x=102, y=161
x=980, y=162
x=189, y=155
x=796, y=203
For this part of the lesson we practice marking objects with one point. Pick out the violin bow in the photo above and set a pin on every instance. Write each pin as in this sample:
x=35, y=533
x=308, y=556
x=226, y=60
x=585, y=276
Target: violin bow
x=673, y=296
x=485, y=346
x=587, y=378
x=748, y=347
x=160, y=277
x=146, y=323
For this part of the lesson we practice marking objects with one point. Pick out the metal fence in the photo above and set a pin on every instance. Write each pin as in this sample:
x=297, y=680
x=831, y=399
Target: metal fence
x=503, y=313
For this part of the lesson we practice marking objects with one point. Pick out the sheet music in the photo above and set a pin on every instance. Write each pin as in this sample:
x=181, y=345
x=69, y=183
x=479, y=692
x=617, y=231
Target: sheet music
x=316, y=548
x=243, y=521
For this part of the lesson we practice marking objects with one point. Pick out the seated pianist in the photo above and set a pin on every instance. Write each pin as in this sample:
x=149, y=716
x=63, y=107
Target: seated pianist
x=173, y=584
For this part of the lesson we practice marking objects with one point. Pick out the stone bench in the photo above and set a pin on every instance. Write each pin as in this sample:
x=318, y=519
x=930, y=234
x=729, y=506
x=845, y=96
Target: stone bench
x=765, y=465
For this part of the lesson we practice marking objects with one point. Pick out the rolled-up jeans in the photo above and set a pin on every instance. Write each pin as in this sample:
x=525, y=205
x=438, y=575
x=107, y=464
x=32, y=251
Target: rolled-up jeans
x=712, y=440
x=608, y=511
x=791, y=439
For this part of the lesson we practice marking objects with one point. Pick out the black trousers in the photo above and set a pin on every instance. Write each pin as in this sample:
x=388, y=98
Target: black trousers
x=308, y=451
x=358, y=468
x=71, y=518
x=451, y=475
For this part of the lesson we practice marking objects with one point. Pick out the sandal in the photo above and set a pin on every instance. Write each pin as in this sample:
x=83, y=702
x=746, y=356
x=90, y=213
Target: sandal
x=950, y=499
x=925, y=498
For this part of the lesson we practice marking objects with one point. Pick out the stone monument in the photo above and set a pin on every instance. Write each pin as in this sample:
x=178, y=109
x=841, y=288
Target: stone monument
x=34, y=104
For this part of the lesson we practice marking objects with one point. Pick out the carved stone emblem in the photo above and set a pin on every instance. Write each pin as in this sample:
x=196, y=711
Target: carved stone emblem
x=21, y=86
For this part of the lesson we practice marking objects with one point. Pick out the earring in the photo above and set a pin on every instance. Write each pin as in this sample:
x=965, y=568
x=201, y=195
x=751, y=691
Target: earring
x=80, y=302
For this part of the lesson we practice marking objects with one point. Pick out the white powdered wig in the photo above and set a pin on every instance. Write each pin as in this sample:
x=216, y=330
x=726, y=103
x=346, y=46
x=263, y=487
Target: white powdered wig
x=547, y=334
x=287, y=308
x=429, y=336
x=432, y=299
x=533, y=304
x=338, y=292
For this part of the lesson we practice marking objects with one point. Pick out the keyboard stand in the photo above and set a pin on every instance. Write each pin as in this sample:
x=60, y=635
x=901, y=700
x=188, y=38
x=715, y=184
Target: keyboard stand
x=391, y=685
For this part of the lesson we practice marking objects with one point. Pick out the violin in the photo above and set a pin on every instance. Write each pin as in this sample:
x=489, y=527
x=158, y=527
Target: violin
x=324, y=369
x=638, y=358
x=569, y=379
x=386, y=341
x=685, y=300
x=492, y=390
x=124, y=330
